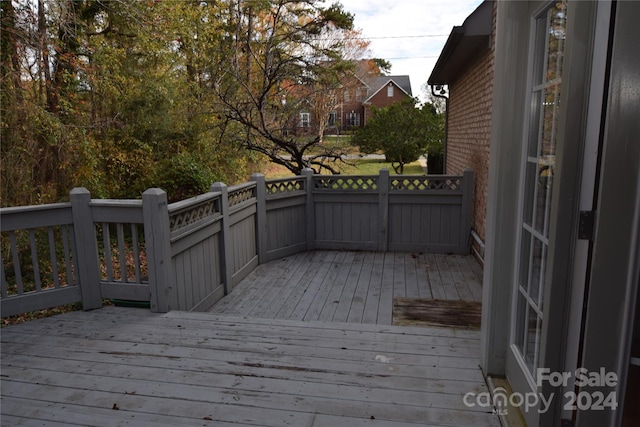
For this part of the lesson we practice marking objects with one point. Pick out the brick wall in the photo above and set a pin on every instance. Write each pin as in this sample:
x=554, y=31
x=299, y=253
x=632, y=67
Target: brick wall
x=469, y=133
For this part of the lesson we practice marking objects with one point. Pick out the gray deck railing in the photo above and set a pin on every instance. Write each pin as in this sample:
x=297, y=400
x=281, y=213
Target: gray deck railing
x=189, y=254
x=64, y=253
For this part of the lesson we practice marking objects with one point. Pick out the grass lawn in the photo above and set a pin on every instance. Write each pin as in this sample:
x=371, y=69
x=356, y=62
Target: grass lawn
x=339, y=141
x=372, y=167
x=359, y=167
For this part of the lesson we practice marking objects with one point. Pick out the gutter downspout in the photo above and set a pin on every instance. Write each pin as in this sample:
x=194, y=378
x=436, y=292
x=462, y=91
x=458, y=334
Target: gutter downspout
x=446, y=126
x=478, y=254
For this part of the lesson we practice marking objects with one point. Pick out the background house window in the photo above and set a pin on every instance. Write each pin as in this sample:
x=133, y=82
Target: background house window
x=353, y=119
x=333, y=118
x=305, y=120
x=347, y=97
x=390, y=91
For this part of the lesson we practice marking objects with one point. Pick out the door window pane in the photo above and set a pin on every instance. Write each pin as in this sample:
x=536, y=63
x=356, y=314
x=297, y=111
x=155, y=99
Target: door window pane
x=544, y=184
x=532, y=340
x=530, y=180
x=556, y=25
x=534, y=137
x=537, y=270
x=551, y=110
x=521, y=322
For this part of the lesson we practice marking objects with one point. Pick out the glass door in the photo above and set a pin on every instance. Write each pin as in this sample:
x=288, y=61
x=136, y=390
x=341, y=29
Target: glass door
x=538, y=164
x=538, y=169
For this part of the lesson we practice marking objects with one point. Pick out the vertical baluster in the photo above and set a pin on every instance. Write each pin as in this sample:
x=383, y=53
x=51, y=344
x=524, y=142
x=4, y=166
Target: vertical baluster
x=106, y=242
x=53, y=257
x=136, y=252
x=16, y=262
x=67, y=236
x=34, y=259
x=3, y=279
x=121, y=253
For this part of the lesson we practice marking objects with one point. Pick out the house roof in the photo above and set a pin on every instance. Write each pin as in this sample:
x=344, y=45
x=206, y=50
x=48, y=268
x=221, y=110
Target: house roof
x=464, y=45
x=376, y=84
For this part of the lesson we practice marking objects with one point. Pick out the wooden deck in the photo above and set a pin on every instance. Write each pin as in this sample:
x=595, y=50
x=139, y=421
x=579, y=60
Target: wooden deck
x=357, y=287
x=125, y=366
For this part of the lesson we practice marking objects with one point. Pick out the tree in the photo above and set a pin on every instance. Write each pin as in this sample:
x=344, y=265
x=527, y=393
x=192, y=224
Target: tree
x=280, y=58
x=113, y=96
x=121, y=95
x=383, y=65
x=403, y=132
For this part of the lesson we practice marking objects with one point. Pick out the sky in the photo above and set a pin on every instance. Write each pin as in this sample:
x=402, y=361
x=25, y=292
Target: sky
x=410, y=34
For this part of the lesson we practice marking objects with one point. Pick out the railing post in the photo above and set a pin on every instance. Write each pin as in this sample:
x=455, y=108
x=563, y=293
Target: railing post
x=383, y=213
x=155, y=212
x=87, y=255
x=310, y=209
x=261, y=216
x=226, y=257
x=466, y=211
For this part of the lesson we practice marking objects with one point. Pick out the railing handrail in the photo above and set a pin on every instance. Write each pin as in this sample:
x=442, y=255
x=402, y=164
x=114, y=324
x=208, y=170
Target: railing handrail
x=111, y=203
x=15, y=218
x=12, y=210
x=187, y=203
x=284, y=179
x=242, y=186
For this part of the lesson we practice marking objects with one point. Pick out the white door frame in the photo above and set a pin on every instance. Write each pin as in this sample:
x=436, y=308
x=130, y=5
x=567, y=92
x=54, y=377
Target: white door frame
x=508, y=125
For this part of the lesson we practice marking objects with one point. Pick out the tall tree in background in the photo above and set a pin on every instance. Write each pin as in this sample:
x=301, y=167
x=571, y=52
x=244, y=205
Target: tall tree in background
x=122, y=95
x=283, y=57
x=108, y=95
x=41, y=141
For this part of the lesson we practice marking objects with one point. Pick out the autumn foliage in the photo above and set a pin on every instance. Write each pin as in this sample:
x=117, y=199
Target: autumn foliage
x=118, y=96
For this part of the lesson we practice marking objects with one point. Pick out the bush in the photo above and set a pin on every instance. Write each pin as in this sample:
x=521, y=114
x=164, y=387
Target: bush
x=403, y=132
x=183, y=176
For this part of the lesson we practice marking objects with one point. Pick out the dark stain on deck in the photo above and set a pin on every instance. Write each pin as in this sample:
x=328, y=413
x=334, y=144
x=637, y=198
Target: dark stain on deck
x=430, y=312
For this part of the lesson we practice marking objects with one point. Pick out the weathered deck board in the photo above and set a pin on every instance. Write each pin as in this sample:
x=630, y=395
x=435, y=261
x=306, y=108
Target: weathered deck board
x=351, y=286
x=205, y=369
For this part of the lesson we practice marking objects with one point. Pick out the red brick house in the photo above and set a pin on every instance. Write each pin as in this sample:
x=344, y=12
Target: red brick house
x=466, y=67
x=360, y=95
x=386, y=90
x=354, y=102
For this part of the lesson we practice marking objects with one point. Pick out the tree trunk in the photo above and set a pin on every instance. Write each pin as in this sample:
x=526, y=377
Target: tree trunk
x=43, y=56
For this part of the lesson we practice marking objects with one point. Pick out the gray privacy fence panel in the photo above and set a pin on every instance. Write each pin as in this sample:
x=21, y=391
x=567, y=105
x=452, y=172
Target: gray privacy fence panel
x=243, y=251
x=285, y=217
x=346, y=222
x=396, y=213
x=425, y=214
x=195, y=227
x=347, y=214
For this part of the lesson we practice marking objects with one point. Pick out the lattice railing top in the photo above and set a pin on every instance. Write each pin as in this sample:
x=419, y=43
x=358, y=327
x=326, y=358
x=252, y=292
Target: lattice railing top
x=190, y=215
x=426, y=183
x=285, y=186
x=241, y=195
x=345, y=183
